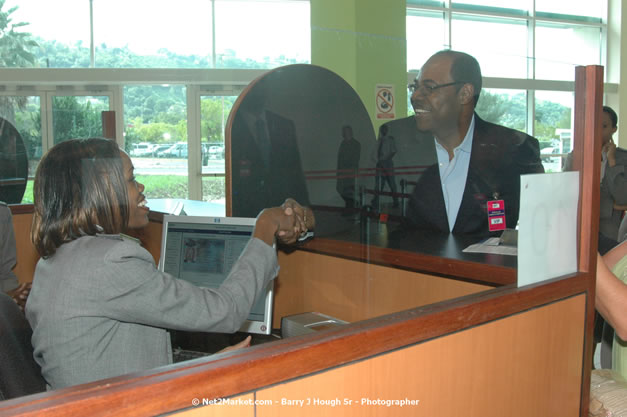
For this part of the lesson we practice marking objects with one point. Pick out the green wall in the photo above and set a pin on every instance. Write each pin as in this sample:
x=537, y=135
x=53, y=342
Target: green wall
x=365, y=45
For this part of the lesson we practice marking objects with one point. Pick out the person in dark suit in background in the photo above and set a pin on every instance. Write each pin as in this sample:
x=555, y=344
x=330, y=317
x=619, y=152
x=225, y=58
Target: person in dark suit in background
x=467, y=161
x=384, y=157
x=347, y=166
x=265, y=158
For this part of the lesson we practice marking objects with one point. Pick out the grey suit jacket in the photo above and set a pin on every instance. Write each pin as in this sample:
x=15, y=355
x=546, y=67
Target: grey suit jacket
x=99, y=307
x=8, y=280
x=613, y=190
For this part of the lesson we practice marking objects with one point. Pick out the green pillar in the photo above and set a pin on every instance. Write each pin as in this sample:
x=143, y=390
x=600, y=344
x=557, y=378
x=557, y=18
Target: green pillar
x=363, y=41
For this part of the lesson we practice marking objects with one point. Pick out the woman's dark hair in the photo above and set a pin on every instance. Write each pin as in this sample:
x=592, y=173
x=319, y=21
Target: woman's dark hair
x=79, y=190
x=612, y=114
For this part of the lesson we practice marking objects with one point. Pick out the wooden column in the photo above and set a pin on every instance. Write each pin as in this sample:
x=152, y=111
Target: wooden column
x=587, y=160
x=108, y=124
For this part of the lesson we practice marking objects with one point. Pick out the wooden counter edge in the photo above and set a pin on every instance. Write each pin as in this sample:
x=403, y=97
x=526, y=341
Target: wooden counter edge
x=171, y=388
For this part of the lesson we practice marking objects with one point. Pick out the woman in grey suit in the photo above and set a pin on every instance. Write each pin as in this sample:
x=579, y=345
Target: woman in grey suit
x=99, y=307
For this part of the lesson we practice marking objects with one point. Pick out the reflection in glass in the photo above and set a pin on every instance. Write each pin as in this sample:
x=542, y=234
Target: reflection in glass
x=13, y=164
x=560, y=48
x=24, y=113
x=285, y=138
x=504, y=55
x=553, y=127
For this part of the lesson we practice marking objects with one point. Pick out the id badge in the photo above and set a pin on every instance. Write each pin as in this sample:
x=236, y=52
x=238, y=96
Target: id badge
x=496, y=215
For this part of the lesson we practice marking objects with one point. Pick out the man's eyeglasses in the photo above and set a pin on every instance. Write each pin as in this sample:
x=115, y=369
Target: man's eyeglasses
x=428, y=89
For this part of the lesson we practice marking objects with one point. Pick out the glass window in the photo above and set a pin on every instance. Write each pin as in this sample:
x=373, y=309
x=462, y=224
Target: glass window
x=152, y=33
x=559, y=48
x=262, y=34
x=214, y=113
x=155, y=136
x=553, y=127
x=504, y=107
x=504, y=55
x=589, y=8
x=425, y=36
x=432, y=3
x=520, y=6
x=62, y=33
x=77, y=116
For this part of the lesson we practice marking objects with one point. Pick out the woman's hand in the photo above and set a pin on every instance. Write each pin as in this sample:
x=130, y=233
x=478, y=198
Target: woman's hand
x=20, y=294
x=243, y=344
x=287, y=223
x=610, y=151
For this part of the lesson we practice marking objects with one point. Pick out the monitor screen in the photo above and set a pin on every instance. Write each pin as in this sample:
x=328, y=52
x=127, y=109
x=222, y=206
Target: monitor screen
x=202, y=250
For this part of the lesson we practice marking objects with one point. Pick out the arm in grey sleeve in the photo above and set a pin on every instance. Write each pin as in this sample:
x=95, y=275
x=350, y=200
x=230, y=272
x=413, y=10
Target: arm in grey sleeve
x=616, y=182
x=140, y=293
x=8, y=280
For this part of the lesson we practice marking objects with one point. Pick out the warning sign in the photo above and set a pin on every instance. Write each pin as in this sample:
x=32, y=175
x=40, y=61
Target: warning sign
x=384, y=96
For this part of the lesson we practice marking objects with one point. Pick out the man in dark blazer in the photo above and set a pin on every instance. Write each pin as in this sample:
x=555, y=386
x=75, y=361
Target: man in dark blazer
x=464, y=161
x=266, y=164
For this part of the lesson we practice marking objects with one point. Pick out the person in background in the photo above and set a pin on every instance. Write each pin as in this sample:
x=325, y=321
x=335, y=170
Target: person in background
x=347, y=165
x=99, y=307
x=468, y=161
x=385, y=150
x=8, y=281
x=613, y=192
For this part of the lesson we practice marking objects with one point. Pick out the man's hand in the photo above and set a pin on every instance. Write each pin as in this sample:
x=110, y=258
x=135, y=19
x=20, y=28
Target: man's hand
x=287, y=223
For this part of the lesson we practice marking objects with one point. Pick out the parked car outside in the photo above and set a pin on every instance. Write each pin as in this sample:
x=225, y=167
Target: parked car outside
x=216, y=152
x=160, y=148
x=178, y=150
x=142, y=149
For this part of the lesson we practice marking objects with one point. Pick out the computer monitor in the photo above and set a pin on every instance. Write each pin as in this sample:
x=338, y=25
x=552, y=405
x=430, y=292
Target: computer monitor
x=202, y=250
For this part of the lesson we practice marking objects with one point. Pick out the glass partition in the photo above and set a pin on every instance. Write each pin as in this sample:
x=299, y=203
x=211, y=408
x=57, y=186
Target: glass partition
x=301, y=131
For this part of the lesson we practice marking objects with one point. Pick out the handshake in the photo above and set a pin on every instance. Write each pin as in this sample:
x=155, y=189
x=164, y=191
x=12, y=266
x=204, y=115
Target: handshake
x=287, y=223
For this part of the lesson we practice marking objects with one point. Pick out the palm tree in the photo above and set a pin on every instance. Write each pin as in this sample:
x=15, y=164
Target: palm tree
x=15, y=52
x=14, y=45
